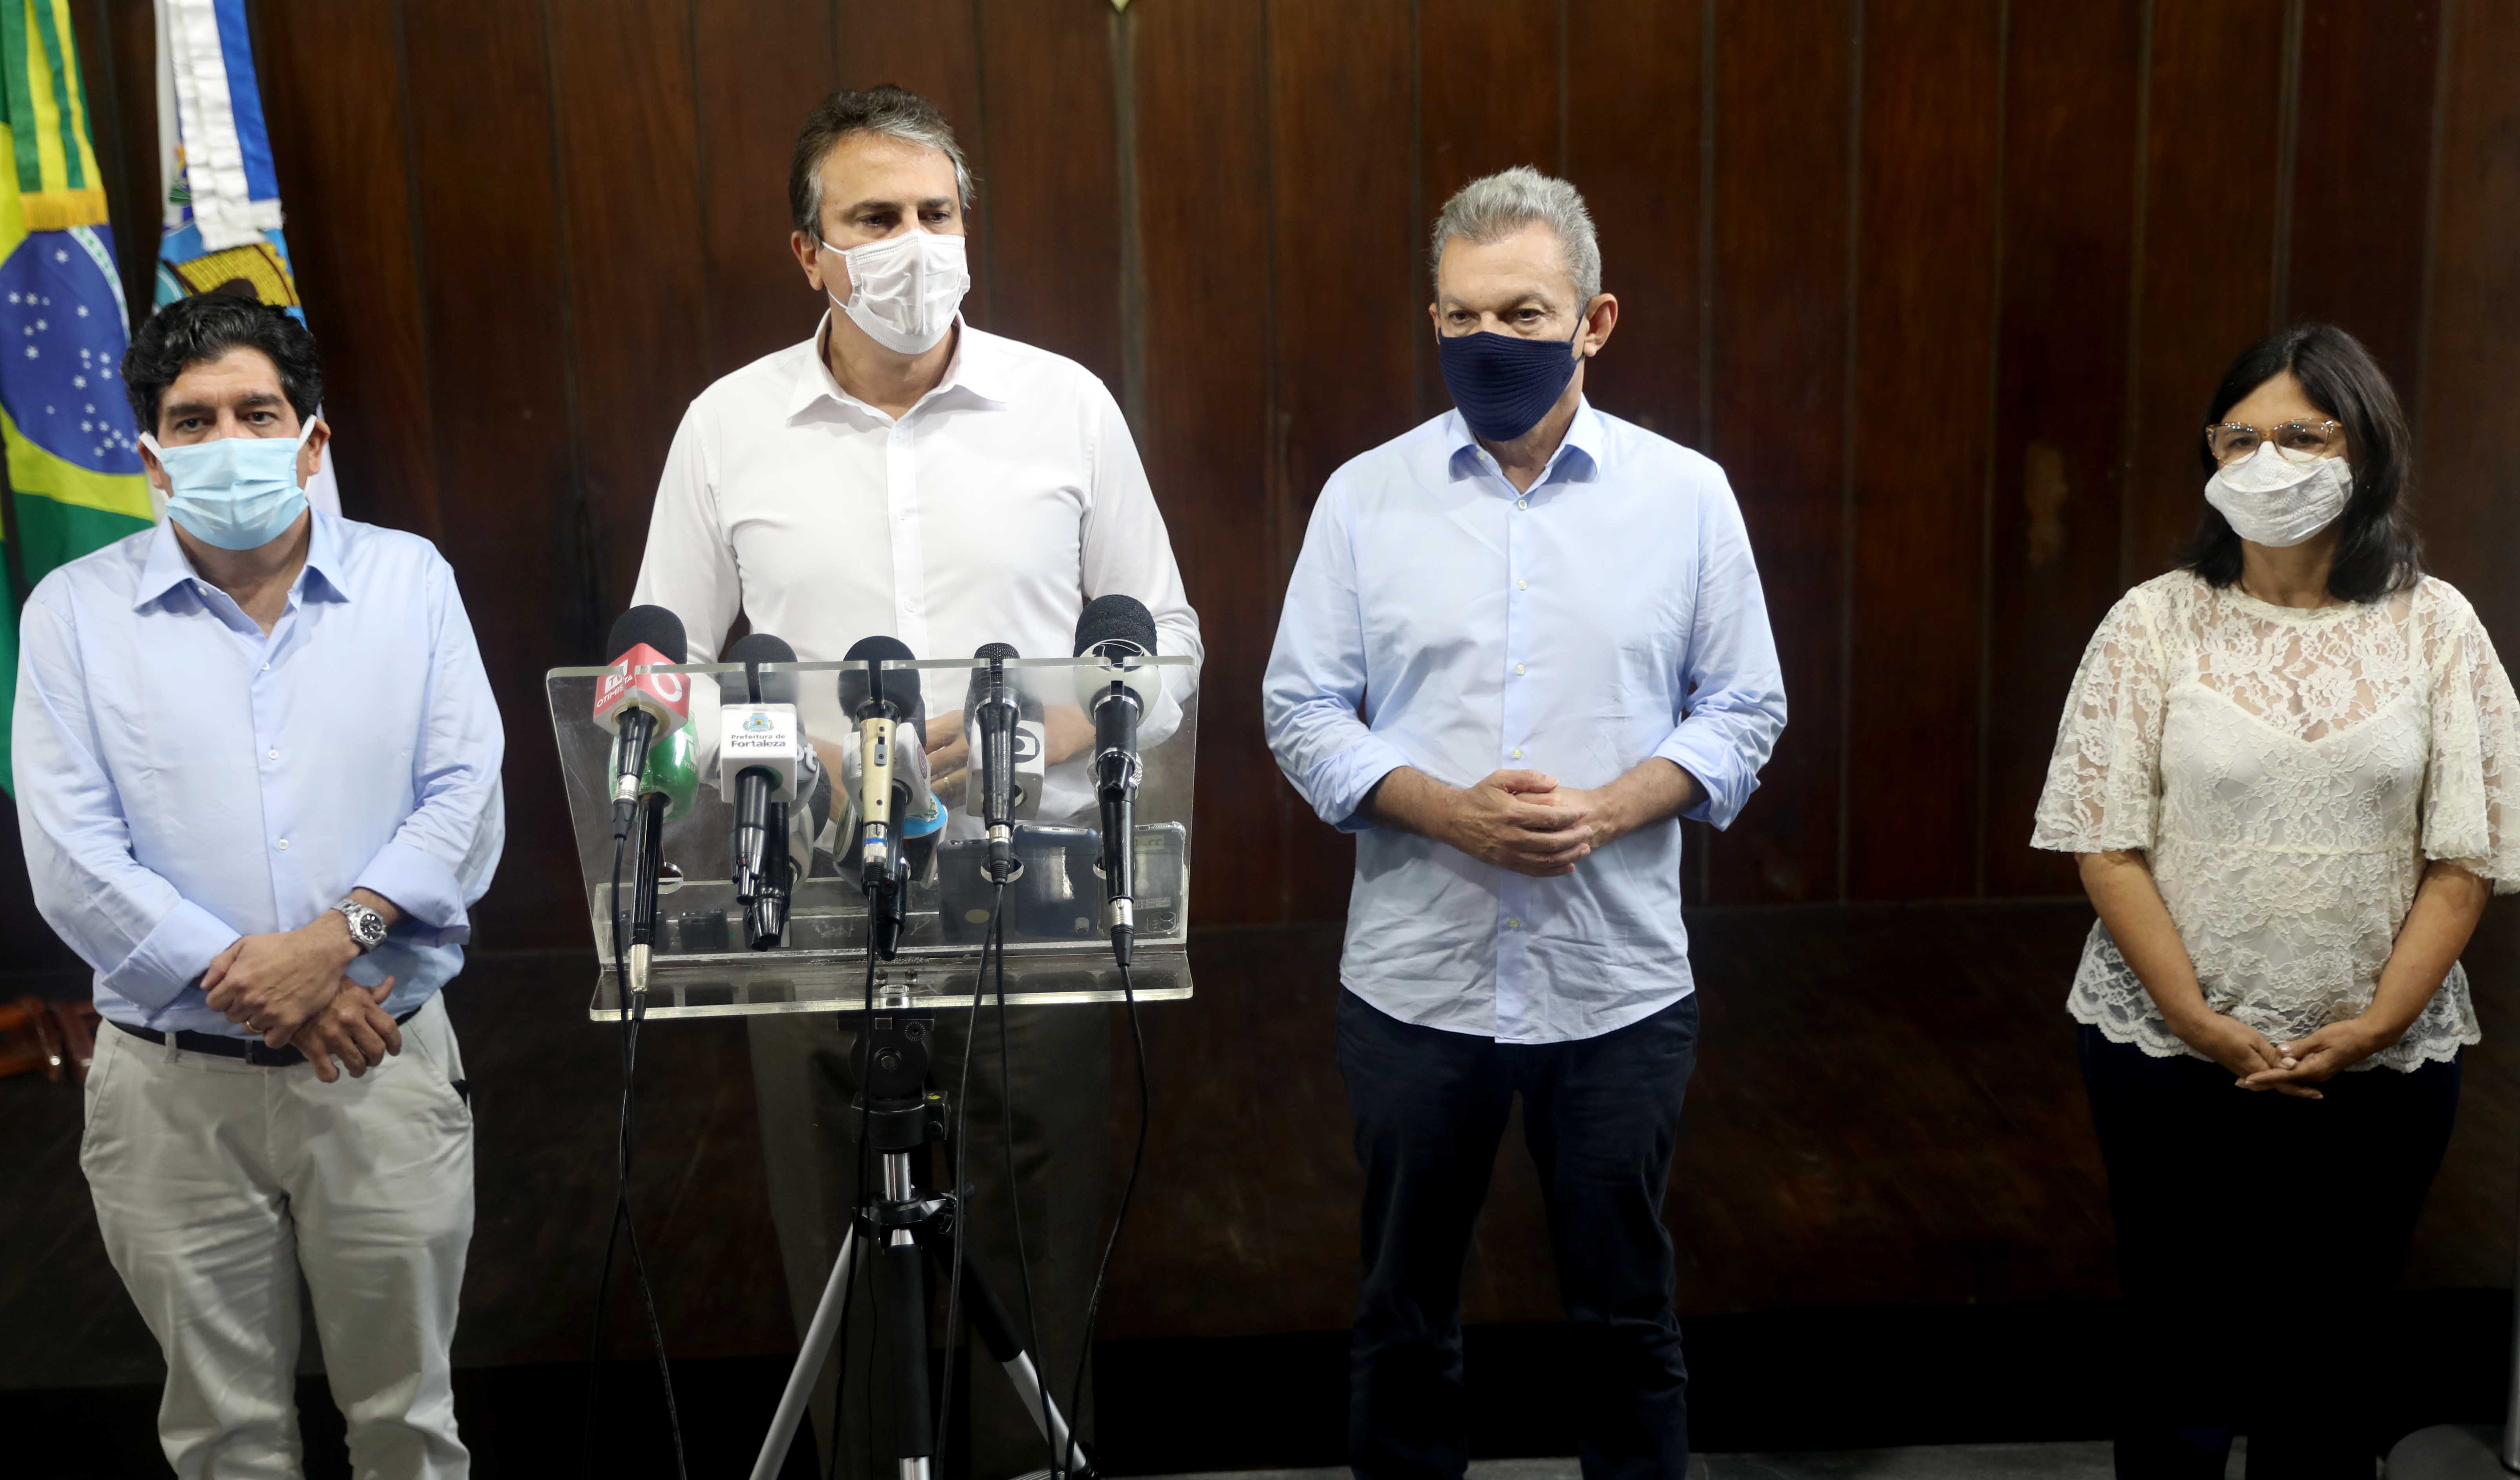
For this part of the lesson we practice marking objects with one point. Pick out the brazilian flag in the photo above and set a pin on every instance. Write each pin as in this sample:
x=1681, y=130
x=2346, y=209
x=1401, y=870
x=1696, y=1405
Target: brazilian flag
x=73, y=453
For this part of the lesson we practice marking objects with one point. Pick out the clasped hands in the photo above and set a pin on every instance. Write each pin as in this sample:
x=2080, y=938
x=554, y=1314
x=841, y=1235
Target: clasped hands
x=2289, y=1068
x=288, y=987
x=1526, y=822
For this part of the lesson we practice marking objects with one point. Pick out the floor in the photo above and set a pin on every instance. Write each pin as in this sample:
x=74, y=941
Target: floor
x=1961, y=1461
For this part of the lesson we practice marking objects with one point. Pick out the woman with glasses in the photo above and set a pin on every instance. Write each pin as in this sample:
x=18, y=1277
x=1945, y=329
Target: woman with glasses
x=2287, y=767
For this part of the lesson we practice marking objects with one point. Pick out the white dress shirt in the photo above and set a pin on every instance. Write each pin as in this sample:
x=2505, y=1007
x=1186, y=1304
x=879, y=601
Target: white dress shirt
x=990, y=511
x=1609, y=615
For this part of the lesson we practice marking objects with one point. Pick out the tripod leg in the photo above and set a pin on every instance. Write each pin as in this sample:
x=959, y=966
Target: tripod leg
x=998, y=1333
x=809, y=1362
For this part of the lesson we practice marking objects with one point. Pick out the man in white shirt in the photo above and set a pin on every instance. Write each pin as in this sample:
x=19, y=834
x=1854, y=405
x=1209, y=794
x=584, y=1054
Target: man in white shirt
x=902, y=472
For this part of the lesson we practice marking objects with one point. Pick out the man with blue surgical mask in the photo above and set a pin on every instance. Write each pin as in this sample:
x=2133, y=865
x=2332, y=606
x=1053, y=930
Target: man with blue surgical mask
x=257, y=775
x=1521, y=642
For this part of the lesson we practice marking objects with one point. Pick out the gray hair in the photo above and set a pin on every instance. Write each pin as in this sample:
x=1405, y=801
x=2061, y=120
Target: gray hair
x=896, y=113
x=1494, y=207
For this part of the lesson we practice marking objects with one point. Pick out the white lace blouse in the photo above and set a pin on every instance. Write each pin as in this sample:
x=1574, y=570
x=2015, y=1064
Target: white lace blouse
x=2290, y=773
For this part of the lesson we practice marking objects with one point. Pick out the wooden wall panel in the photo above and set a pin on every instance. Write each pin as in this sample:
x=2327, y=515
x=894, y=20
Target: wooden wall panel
x=1201, y=91
x=628, y=146
x=2210, y=215
x=1928, y=238
x=2365, y=126
x=334, y=72
x=1637, y=77
x=1348, y=305
x=1777, y=294
x=1490, y=80
x=117, y=66
x=760, y=67
x=1053, y=214
x=933, y=49
x=2471, y=365
x=494, y=294
x=2071, y=152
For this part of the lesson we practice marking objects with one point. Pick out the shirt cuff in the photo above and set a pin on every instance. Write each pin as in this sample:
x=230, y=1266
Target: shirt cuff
x=1709, y=761
x=1341, y=783
x=424, y=889
x=171, y=957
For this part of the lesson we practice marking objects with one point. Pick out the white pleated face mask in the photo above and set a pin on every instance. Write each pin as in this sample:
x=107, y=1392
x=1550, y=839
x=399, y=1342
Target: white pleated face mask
x=2274, y=501
x=904, y=290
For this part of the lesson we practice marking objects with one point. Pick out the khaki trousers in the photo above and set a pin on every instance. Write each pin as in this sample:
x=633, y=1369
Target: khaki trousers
x=1058, y=1072
x=219, y=1184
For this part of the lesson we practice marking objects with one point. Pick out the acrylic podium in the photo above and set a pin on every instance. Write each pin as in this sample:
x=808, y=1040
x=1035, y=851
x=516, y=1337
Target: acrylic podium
x=1054, y=949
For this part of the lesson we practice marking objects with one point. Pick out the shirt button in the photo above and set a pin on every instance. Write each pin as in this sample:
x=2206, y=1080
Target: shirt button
x=1522, y=585
x=275, y=755
x=284, y=845
x=266, y=668
x=1518, y=669
x=1514, y=921
x=1517, y=752
x=1522, y=503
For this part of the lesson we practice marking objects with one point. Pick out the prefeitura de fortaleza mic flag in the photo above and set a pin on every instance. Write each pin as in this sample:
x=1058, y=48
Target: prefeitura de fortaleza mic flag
x=73, y=454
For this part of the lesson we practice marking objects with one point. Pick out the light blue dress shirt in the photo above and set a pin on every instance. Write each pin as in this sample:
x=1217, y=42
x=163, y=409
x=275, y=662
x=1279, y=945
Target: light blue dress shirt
x=1609, y=615
x=182, y=780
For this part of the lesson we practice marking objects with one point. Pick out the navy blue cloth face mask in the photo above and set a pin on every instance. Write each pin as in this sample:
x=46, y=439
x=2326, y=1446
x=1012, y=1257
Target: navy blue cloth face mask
x=1504, y=383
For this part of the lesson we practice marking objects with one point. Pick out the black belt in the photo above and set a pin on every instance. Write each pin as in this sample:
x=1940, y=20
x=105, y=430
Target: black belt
x=252, y=1051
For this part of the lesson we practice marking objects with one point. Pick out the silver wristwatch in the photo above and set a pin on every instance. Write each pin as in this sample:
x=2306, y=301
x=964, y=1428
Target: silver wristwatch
x=367, y=927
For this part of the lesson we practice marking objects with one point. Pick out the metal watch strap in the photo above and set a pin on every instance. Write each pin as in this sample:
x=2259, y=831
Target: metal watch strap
x=367, y=927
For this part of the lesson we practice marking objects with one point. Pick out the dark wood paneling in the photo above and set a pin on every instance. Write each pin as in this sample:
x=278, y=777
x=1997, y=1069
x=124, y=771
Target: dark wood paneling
x=1201, y=75
x=628, y=144
x=2070, y=142
x=1635, y=70
x=2470, y=505
x=118, y=61
x=1779, y=310
x=2210, y=215
x=1923, y=376
x=762, y=65
x=933, y=50
x=2359, y=184
x=1489, y=80
x=1053, y=217
x=334, y=73
x=1349, y=306
x=494, y=299
x=2365, y=124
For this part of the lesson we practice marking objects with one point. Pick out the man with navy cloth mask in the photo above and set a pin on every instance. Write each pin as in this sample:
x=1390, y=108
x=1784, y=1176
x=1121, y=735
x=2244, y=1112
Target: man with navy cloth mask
x=1551, y=628
x=257, y=775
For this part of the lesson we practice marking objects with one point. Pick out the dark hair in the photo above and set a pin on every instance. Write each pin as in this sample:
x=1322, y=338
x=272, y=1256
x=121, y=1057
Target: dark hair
x=190, y=331
x=2379, y=550
x=886, y=109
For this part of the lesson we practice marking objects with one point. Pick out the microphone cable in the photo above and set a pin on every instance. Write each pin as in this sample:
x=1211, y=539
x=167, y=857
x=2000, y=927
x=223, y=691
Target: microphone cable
x=869, y=1253
x=995, y=939
x=633, y=1014
x=1014, y=1201
x=1120, y=1219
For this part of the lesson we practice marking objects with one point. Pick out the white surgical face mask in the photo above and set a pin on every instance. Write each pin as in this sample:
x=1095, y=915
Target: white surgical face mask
x=2274, y=501
x=904, y=290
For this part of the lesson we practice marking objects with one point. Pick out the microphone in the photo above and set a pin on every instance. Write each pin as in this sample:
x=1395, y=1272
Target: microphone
x=879, y=701
x=992, y=716
x=1119, y=631
x=667, y=786
x=764, y=765
x=638, y=708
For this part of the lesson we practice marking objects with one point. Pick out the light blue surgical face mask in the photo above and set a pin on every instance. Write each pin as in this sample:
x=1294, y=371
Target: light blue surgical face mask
x=237, y=493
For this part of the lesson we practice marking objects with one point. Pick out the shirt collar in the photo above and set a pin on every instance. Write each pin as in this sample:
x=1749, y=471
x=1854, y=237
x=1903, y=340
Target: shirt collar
x=166, y=567
x=1579, y=454
x=976, y=370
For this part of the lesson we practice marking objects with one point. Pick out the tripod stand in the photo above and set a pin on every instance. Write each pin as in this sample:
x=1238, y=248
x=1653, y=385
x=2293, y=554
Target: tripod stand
x=902, y=1226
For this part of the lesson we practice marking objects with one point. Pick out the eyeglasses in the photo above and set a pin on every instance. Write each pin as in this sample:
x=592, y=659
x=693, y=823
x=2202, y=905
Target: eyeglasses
x=2232, y=441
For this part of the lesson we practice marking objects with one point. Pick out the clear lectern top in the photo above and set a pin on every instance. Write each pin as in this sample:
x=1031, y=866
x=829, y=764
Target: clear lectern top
x=1055, y=948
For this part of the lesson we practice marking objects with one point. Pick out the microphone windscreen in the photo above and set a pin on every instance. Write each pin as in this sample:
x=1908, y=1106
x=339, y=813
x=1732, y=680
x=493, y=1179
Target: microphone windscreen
x=898, y=687
x=1115, y=618
x=761, y=648
x=653, y=626
x=999, y=651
